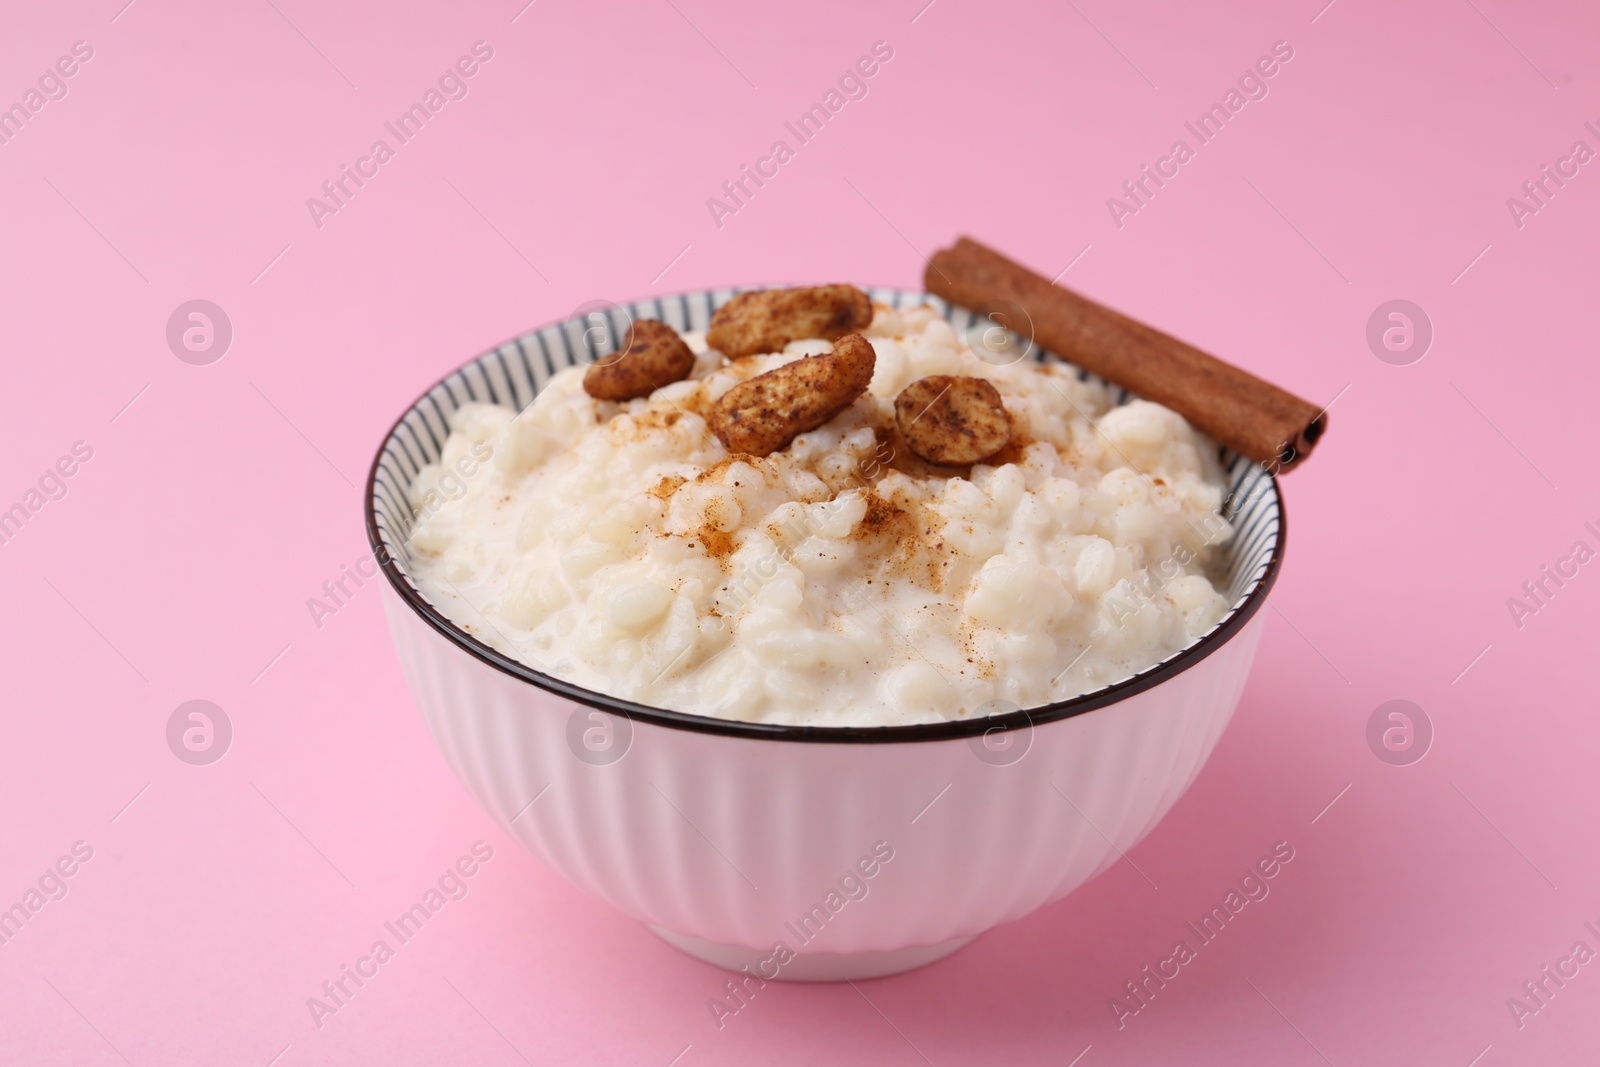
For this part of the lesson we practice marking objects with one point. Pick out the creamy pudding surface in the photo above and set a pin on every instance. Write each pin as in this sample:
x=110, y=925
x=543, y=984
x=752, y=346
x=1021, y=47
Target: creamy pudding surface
x=840, y=580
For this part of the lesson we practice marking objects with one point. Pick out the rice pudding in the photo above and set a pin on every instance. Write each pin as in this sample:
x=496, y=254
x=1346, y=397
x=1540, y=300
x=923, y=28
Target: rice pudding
x=842, y=579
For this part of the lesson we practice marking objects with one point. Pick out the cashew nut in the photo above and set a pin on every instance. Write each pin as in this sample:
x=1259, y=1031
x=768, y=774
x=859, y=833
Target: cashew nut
x=652, y=355
x=763, y=414
x=951, y=421
x=765, y=321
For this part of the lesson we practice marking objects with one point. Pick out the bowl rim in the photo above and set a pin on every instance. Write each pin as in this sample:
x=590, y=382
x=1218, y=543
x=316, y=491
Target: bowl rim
x=951, y=729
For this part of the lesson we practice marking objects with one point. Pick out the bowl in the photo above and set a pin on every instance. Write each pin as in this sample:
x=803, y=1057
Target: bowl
x=791, y=852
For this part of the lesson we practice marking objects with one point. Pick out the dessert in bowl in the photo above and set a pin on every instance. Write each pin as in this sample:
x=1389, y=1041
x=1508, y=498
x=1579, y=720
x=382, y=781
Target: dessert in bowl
x=810, y=634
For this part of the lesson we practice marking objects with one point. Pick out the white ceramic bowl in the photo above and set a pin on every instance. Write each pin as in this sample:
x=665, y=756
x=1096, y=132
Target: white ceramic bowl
x=800, y=852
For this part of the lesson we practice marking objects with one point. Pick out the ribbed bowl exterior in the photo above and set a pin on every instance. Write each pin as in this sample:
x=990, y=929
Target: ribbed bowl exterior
x=734, y=840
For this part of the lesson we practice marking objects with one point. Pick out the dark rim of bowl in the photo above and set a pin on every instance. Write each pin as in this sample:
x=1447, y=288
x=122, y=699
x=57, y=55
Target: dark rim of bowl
x=950, y=729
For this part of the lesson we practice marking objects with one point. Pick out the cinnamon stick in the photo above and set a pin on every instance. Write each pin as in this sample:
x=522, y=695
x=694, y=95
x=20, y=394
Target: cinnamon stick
x=1237, y=409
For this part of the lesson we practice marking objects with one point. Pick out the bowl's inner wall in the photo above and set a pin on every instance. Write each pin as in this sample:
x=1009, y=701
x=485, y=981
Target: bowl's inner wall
x=513, y=373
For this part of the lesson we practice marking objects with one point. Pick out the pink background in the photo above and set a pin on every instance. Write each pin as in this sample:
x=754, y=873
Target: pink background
x=179, y=564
